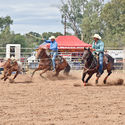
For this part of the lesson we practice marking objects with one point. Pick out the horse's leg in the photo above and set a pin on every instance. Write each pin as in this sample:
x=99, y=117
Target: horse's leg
x=105, y=79
x=83, y=76
x=90, y=75
x=57, y=72
x=7, y=74
x=17, y=72
x=37, y=69
x=97, y=79
x=44, y=71
x=4, y=75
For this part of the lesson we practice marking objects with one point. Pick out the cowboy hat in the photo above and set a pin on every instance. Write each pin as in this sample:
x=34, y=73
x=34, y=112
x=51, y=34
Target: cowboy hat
x=97, y=36
x=52, y=37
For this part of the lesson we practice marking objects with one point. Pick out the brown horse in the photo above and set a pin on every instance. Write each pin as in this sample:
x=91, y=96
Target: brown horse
x=46, y=63
x=9, y=67
x=91, y=65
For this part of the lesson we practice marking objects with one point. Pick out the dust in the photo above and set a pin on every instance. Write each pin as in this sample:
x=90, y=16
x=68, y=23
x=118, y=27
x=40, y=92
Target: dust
x=28, y=79
x=116, y=82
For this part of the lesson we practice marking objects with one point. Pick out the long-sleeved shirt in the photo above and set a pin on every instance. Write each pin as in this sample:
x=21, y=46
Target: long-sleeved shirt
x=98, y=46
x=53, y=45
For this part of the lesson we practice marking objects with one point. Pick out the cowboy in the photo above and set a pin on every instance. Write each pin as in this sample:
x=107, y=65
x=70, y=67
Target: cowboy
x=98, y=48
x=54, y=48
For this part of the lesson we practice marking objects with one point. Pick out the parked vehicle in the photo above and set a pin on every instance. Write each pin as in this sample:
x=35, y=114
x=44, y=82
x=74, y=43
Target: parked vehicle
x=32, y=61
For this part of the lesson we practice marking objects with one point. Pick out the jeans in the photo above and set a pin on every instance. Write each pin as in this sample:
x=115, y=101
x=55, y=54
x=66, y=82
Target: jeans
x=101, y=55
x=54, y=54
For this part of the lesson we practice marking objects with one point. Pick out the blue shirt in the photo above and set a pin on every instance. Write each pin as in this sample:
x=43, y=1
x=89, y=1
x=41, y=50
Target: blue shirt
x=53, y=45
x=98, y=46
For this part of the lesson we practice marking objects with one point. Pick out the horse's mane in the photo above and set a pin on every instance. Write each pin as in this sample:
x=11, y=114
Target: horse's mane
x=91, y=61
x=43, y=53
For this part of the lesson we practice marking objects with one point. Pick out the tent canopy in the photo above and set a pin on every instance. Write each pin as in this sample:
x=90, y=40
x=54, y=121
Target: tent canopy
x=69, y=42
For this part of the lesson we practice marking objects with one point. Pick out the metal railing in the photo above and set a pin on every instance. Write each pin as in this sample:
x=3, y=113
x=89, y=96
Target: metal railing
x=73, y=58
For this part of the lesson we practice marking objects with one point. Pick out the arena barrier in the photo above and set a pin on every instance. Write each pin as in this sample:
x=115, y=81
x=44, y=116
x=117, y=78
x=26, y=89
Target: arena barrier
x=27, y=57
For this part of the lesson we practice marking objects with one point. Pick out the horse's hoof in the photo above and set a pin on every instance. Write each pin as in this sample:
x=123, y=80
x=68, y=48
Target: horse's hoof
x=104, y=81
x=11, y=80
x=96, y=81
x=84, y=84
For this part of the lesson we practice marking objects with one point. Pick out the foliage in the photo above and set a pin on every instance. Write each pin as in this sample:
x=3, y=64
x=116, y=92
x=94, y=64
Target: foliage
x=92, y=22
x=113, y=15
x=72, y=10
x=84, y=17
x=5, y=22
x=46, y=35
x=87, y=17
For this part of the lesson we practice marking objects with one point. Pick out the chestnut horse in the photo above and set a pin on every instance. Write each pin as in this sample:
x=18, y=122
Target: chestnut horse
x=9, y=67
x=45, y=63
x=92, y=65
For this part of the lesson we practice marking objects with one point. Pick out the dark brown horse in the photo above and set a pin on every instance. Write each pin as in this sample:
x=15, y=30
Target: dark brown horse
x=46, y=63
x=92, y=65
x=9, y=67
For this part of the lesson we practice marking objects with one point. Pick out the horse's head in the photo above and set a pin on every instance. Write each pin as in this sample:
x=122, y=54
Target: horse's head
x=40, y=52
x=86, y=54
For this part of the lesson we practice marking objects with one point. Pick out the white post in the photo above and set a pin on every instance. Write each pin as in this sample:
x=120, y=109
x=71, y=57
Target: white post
x=16, y=53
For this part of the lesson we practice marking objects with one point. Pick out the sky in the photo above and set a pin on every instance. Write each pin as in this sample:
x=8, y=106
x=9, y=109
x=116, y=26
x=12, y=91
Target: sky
x=32, y=15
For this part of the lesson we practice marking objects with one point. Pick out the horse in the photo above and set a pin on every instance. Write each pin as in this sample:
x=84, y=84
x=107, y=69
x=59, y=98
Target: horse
x=45, y=63
x=9, y=67
x=91, y=65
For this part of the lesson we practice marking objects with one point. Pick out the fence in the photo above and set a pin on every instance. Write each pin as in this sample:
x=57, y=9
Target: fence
x=73, y=58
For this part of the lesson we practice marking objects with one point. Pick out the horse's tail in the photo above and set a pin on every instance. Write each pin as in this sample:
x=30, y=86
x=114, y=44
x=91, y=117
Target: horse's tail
x=111, y=60
x=67, y=69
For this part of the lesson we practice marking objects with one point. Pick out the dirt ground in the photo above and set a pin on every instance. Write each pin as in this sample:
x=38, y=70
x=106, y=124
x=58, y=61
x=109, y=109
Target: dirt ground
x=62, y=101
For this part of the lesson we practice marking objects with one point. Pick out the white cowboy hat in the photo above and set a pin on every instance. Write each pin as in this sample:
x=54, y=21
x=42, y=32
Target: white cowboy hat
x=52, y=37
x=97, y=36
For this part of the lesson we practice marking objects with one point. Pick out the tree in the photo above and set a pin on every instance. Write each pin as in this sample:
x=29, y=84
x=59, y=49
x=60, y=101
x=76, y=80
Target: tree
x=5, y=22
x=92, y=22
x=19, y=39
x=113, y=15
x=46, y=35
x=73, y=10
x=6, y=36
x=33, y=38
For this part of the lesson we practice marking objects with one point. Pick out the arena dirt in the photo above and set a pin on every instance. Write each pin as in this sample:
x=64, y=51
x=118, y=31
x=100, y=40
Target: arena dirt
x=63, y=100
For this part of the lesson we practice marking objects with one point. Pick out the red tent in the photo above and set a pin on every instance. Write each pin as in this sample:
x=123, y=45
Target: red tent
x=69, y=42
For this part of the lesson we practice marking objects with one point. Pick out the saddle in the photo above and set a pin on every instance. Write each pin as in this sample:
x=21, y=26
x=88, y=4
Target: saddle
x=105, y=58
x=58, y=60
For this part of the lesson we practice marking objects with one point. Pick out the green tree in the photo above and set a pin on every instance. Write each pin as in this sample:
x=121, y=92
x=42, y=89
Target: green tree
x=6, y=36
x=33, y=38
x=113, y=15
x=19, y=39
x=92, y=22
x=73, y=11
x=46, y=35
x=5, y=22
